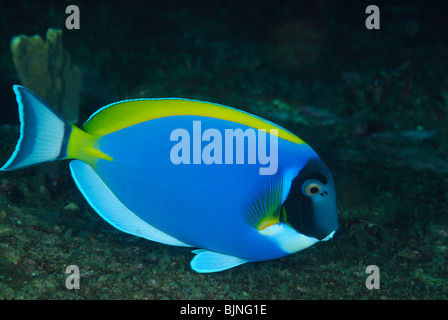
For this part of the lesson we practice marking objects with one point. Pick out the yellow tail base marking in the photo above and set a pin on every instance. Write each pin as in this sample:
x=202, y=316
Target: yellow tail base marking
x=84, y=146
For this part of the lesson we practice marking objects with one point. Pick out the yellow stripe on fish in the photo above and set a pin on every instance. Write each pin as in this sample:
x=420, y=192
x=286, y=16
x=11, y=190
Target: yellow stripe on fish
x=130, y=112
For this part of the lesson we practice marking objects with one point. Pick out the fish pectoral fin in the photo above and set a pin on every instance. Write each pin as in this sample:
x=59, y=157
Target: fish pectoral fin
x=265, y=207
x=207, y=261
x=111, y=209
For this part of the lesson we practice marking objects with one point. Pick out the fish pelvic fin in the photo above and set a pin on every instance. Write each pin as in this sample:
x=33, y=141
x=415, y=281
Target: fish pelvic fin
x=45, y=135
x=208, y=261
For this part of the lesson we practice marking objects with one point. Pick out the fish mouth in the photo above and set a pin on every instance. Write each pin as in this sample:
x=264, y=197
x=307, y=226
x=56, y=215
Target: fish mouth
x=329, y=236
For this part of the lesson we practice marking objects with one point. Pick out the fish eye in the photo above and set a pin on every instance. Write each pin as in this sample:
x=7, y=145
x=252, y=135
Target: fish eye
x=312, y=187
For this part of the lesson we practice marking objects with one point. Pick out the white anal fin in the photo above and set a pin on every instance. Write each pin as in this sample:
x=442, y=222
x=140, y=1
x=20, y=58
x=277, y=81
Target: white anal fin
x=207, y=261
x=110, y=208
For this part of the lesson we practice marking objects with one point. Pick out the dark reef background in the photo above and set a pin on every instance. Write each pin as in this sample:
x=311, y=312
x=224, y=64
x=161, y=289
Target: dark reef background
x=372, y=103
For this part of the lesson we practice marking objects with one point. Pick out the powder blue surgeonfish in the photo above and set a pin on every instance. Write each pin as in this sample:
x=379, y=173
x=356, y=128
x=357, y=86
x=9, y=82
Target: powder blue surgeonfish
x=189, y=173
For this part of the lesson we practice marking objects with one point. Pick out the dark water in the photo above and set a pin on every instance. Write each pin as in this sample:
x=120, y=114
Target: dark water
x=372, y=103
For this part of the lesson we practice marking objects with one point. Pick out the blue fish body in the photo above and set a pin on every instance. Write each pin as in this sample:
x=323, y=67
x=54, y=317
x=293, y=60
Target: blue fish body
x=206, y=202
x=126, y=164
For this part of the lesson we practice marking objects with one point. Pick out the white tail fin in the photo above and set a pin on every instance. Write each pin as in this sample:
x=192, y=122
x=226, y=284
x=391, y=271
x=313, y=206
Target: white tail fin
x=43, y=132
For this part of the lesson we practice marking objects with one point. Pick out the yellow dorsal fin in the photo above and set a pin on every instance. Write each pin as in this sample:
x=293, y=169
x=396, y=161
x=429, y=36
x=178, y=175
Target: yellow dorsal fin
x=126, y=113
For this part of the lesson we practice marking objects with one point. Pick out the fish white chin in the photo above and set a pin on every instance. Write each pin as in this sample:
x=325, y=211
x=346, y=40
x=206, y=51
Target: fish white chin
x=329, y=236
x=288, y=239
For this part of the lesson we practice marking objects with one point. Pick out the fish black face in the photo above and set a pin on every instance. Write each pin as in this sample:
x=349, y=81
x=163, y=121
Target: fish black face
x=311, y=203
